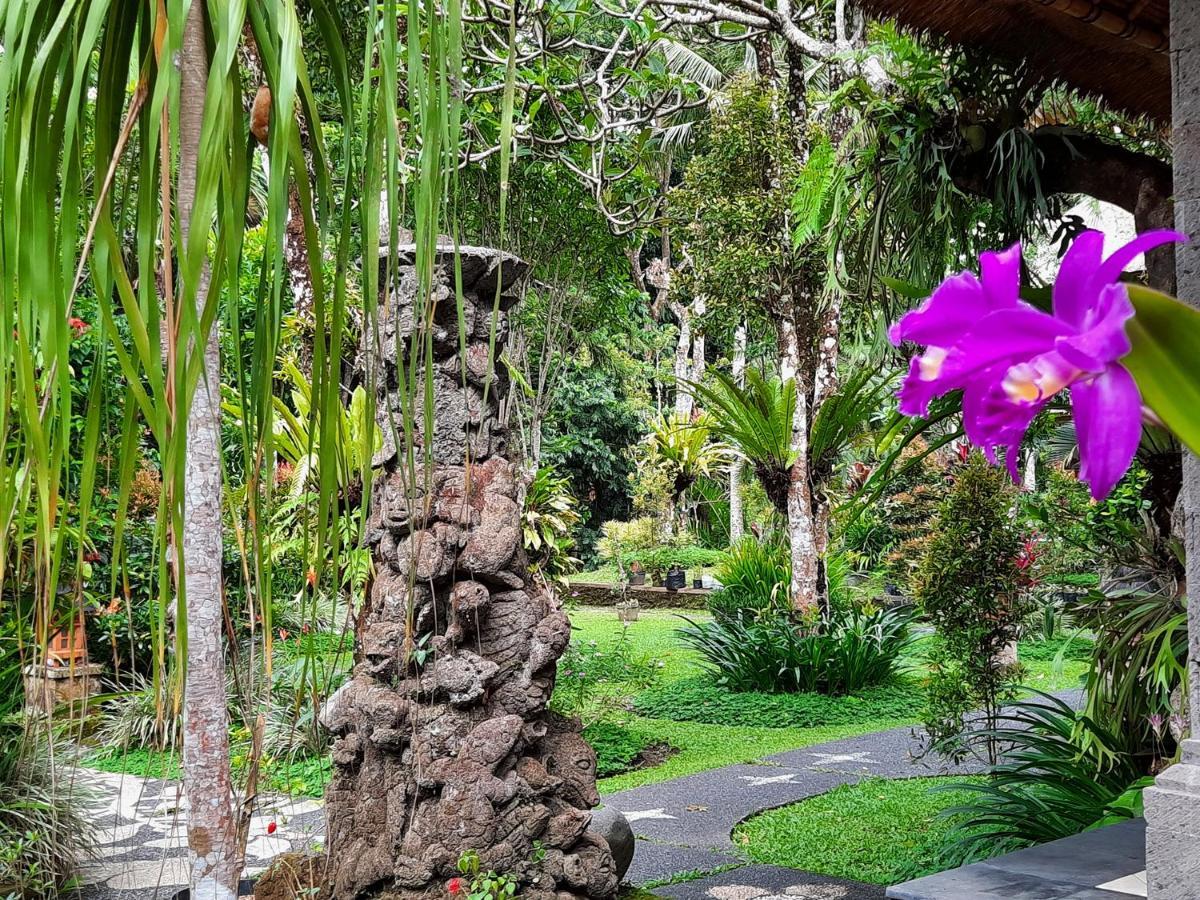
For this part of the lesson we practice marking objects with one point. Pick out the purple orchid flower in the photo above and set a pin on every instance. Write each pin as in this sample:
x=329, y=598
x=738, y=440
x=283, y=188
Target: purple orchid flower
x=1009, y=359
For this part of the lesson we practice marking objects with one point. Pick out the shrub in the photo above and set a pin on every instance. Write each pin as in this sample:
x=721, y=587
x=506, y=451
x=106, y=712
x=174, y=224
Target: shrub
x=140, y=717
x=548, y=524
x=621, y=538
x=587, y=668
x=850, y=650
x=754, y=580
x=1051, y=780
x=660, y=559
x=969, y=585
x=43, y=832
x=616, y=746
x=700, y=700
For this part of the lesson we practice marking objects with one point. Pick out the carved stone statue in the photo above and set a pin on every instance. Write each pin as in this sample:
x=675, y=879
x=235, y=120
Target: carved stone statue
x=445, y=743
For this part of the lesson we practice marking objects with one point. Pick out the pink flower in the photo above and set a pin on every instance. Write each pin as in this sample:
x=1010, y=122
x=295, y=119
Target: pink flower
x=454, y=885
x=78, y=325
x=1010, y=359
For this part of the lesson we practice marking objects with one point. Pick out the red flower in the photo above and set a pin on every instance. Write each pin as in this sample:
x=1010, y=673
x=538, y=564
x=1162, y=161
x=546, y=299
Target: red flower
x=454, y=885
x=271, y=826
x=78, y=325
x=311, y=577
x=283, y=634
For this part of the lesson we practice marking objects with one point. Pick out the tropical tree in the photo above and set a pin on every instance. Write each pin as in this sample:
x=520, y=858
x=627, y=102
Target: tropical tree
x=135, y=195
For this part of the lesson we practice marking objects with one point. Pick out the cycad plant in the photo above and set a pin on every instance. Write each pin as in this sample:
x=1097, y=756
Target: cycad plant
x=757, y=421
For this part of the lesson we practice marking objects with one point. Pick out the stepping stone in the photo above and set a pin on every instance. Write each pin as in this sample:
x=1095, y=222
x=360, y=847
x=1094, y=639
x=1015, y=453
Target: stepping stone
x=755, y=882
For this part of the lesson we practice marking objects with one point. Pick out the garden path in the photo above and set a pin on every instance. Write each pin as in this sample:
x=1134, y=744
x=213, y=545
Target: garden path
x=682, y=826
x=686, y=825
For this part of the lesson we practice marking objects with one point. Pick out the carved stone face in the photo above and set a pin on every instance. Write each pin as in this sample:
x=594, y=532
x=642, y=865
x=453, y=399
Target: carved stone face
x=569, y=757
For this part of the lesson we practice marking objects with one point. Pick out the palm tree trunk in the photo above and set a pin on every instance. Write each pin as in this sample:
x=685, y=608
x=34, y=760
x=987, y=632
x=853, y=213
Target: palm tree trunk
x=805, y=591
x=212, y=831
x=737, y=519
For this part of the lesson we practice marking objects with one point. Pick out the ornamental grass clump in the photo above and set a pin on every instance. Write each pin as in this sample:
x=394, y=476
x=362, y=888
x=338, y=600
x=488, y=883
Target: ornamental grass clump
x=844, y=652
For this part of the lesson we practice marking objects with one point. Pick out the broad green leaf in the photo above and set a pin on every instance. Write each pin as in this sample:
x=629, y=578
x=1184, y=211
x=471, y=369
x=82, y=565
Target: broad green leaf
x=1165, y=360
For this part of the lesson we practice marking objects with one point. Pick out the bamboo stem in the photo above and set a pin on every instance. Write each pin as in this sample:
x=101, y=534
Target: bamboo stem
x=1092, y=13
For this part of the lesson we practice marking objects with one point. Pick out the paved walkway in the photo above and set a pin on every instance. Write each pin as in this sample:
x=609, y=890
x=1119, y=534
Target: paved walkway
x=683, y=826
x=686, y=825
x=142, y=840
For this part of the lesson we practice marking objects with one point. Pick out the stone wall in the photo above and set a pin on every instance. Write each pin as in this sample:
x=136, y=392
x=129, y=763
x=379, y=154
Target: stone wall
x=445, y=743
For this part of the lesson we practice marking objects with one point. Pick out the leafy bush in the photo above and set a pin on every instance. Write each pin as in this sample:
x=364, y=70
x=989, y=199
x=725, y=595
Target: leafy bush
x=616, y=747
x=140, y=717
x=688, y=557
x=622, y=538
x=43, y=833
x=587, y=669
x=848, y=651
x=548, y=523
x=754, y=580
x=1049, y=781
x=700, y=700
x=970, y=586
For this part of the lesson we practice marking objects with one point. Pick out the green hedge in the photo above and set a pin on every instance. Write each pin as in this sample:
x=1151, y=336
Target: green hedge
x=699, y=700
x=661, y=559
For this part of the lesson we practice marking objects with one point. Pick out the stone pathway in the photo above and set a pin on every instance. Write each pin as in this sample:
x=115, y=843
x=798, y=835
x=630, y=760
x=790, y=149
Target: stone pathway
x=142, y=841
x=685, y=825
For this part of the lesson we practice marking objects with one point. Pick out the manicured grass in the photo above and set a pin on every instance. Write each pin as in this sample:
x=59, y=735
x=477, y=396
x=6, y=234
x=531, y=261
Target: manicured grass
x=698, y=699
x=653, y=635
x=297, y=777
x=702, y=747
x=878, y=831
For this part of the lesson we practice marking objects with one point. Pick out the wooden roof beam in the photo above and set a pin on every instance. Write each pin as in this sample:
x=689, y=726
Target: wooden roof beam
x=1094, y=14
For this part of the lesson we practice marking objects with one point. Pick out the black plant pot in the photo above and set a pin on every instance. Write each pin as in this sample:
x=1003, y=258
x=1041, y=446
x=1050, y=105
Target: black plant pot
x=676, y=579
x=637, y=579
x=698, y=583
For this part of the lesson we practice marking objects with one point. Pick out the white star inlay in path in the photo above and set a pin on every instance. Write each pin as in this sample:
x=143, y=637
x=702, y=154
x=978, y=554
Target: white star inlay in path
x=760, y=780
x=831, y=759
x=637, y=815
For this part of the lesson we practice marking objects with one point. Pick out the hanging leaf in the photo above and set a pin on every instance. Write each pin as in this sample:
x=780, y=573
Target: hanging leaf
x=1166, y=345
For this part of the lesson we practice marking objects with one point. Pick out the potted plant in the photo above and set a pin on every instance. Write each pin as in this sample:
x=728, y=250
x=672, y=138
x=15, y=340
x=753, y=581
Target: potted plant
x=698, y=582
x=627, y=611
x=637, y=577
x=676, y=578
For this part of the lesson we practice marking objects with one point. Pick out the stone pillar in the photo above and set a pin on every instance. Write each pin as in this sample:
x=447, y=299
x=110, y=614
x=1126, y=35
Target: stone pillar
x=1173, y=803
x=445, y=745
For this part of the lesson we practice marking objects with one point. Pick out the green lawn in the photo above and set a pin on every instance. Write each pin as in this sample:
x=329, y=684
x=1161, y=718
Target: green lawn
x=878, y=831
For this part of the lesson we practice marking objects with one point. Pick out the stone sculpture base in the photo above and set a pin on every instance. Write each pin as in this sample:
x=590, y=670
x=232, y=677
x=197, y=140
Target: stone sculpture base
x=1173, y=829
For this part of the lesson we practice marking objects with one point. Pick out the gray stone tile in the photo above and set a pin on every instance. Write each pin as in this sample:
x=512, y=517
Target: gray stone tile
x=765, y=882
x=658, y=862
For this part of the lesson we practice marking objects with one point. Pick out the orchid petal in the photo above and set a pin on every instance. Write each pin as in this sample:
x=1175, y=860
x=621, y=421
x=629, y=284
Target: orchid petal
x=1108, y=425
x=1000, y=272
x=1072, y=298
x=915, y=392
x=942, y=319
x=1009, y=334
x=1110, y=270
x=1105, y=341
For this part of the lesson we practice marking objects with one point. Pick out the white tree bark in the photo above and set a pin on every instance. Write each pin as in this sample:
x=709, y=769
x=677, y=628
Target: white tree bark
x=212, y=825
x=683, y=397
x=801, y=526
x=698, y=309
x=737, y=519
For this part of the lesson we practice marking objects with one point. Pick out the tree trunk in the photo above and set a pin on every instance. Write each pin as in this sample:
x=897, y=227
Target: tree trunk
x=737, y=519
x=805, y=586
x=698, y=310
x=445, y=742
x=683, y=397
x=212, y=826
